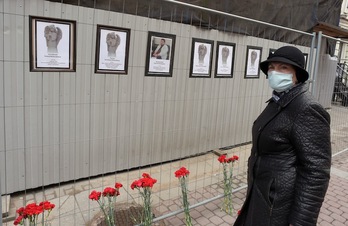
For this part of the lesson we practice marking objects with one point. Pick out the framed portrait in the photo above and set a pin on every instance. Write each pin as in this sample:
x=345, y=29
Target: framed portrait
x=253, y=58
x=52, y=44
x=160, y=54
x=201, y=57
x=306, y=59
x=112, y=50
x=224, y=60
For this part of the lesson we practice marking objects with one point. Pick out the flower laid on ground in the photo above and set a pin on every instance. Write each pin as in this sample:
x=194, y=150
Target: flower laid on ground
x=227, y=164
x=107, y=203
x=181, y=174
x=144, y=185
x=30, y=213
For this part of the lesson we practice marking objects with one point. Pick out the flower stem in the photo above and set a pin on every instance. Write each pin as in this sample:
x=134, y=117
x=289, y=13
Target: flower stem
x=147, y=207
x=227, y=203
x=185, y=201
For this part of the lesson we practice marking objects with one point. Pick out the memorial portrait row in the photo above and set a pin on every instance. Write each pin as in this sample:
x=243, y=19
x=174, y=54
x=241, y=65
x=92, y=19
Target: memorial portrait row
x=53, y=49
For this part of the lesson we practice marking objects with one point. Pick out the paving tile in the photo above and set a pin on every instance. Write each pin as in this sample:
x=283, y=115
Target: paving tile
x=339, y=218
x=325, y=223
x=217, y=220
x=338, y=223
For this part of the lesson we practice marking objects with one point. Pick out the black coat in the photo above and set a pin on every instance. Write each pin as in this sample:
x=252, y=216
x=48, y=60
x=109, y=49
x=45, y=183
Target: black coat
x=289, y=165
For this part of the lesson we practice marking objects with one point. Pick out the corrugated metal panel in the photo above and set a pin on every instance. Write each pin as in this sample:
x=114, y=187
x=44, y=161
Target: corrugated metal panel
x=75, y=125
x=14, y=7
x=14, y=37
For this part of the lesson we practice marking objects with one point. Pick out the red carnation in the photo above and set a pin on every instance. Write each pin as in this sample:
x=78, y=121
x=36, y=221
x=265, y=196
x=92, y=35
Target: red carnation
x=46, y=205
x=182, y=172
x=146, y=175
x=95, y=195
x=108, y=191
x=222, y=158
x=20, y=211
x=33, y=209
x=148, y=182
x=136, y=184
x=118, y=185
x=18, y=220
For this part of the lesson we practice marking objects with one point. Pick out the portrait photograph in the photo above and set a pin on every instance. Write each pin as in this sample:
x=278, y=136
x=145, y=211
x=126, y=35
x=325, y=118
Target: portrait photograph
x=253, y=59
x=201, y=57
x=112, y=50
x=224, y=60
x=160, y=54
x=52, y=44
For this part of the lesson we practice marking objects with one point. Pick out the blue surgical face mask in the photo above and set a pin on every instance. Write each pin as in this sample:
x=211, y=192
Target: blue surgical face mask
x=280, y=81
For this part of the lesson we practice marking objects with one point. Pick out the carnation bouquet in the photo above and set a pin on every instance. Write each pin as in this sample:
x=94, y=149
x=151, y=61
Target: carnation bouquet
x=29, y=215
x=107, y=201
x=144, y=186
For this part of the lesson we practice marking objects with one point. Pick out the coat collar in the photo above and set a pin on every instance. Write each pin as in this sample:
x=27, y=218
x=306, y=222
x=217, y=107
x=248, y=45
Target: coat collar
x=286, y=98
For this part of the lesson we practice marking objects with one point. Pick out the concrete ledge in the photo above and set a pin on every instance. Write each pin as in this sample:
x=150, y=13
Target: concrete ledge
x=5, y=204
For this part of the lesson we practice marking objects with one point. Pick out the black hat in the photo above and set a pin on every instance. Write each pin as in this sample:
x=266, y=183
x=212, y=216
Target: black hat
x=290, y=55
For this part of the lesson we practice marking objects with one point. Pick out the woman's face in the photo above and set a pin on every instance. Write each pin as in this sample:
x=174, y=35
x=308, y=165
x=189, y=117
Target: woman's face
x=283, y=68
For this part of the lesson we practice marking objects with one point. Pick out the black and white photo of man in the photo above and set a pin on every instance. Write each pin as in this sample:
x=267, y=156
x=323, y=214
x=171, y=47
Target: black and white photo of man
x=225, y=52
x=253, y=60
x=52, y=35
x=113, y=40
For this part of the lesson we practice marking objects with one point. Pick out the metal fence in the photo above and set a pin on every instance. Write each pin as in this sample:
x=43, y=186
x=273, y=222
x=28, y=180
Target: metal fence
x=65, y=134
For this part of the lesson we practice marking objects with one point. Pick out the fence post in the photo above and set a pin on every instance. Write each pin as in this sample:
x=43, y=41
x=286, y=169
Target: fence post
x=1, y=202
x=311, y=58
x=316, y=63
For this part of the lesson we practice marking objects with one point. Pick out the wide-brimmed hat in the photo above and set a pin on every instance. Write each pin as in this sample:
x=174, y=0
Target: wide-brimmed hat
x=290, y=55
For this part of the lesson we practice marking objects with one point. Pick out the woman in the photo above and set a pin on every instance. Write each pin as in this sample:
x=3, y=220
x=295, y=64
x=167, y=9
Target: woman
x=289, y=165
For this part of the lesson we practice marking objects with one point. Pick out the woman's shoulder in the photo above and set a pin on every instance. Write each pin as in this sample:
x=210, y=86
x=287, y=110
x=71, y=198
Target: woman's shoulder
x=308, y=105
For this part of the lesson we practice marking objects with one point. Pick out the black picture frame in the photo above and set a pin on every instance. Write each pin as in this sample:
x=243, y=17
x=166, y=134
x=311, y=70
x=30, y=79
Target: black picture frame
x=159, y=60
x=252, y=62
x=112, y=50
x=224, y=64
x=201, y=58
x=52, y=44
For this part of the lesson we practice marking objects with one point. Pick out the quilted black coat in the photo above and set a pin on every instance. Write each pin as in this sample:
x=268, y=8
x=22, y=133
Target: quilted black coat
x=289, y=165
